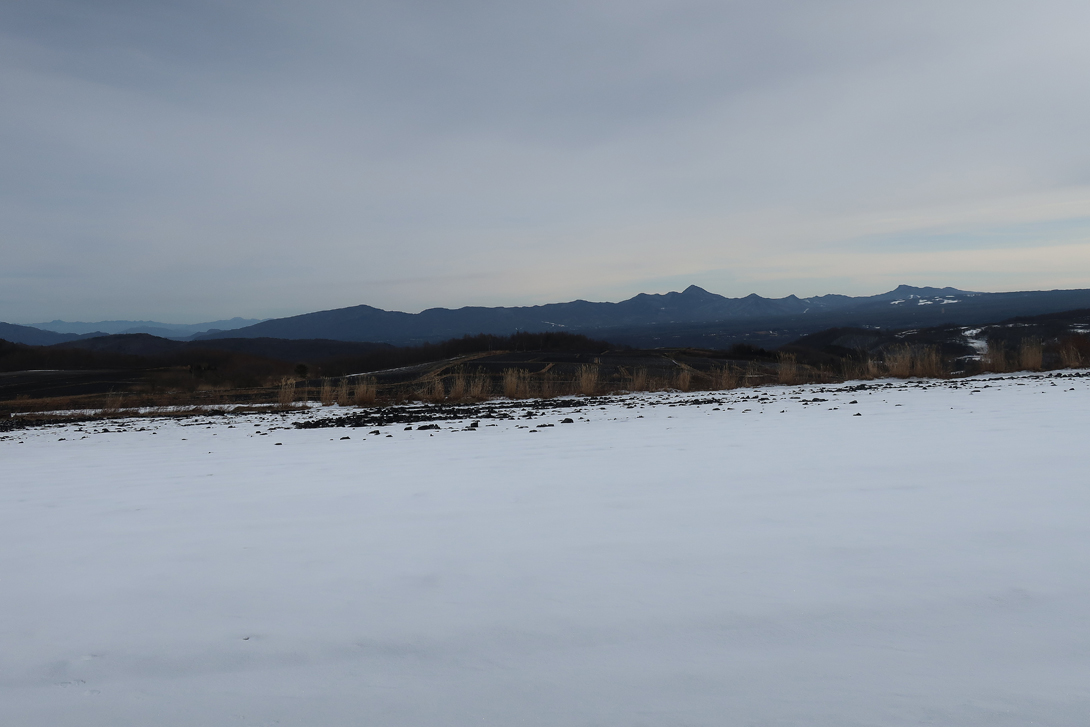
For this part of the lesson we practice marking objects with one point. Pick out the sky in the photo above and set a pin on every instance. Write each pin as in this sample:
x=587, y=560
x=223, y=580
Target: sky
x=197, y=160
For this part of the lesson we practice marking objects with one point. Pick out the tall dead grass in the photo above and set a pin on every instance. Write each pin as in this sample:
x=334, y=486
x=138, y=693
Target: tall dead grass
x=326, y=394
x=112, y=405
x=458, y=386
x=995, y=358
x=907, y=361
x=1070, y=356
x=928, y=363
x=586, y=380
x=516, y=383
x=549, y=387
x=724, y=377
x=366, y=391
x=432, y=390
x=285, y=396
x=787, y=369
x=753, y=375
x=479, y=387
x=1031, y=355
x=899, y=362
x=873, y=369
x=638, y=381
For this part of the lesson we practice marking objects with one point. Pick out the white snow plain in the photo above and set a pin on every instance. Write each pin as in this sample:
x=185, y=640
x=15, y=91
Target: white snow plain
x=754, y=562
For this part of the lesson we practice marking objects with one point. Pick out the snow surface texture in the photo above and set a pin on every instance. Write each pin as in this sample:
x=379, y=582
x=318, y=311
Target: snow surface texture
x=772, y=563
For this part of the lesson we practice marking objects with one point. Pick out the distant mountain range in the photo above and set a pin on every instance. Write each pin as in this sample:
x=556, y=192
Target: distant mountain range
x=178, y=331
x=692, y=305
x=33, y=336
x=693, y=317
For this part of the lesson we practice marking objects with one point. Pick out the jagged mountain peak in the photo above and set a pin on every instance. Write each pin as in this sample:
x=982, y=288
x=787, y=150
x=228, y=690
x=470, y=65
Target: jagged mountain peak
x=698, y=291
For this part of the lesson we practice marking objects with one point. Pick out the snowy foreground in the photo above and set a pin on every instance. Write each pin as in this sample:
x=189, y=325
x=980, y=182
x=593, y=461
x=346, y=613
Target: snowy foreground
x=652, y=563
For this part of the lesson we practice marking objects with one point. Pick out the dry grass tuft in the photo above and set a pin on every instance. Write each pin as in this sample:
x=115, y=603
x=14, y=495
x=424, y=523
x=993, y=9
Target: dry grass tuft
x=432, y=390
x=683, y=380
x=638, y=381
x=850, y=370
x=787, y=371
x=586, y=380
x=899, y=361
x=753, y=374
x=516, y=383
x=724, y=377
x=326, y=395
x=872, y=369
x=342, y=393
x=1070, y=357
x=995, y=359
x=549, y=386
x=112, y=405
x=479, y=387
x=458, y=385
x=1031, y=355
x=928, y=363
x=366, y=392
x=285, y=396
x=906, y=361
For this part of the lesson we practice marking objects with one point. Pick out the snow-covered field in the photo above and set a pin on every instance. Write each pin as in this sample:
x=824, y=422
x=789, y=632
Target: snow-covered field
x=752, y=560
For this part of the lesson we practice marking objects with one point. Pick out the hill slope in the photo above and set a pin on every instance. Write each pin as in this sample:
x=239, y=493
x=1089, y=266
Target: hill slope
x=33, y=336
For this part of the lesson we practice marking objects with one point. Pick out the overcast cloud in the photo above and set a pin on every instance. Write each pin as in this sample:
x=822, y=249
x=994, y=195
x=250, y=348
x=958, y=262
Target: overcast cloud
x=197, y=160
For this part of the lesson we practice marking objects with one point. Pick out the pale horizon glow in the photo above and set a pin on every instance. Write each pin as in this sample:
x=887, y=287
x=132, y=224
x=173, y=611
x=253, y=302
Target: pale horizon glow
x=186, y=162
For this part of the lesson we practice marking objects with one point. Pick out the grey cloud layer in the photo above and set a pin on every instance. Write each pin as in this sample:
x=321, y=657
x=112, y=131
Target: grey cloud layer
x=191, y=160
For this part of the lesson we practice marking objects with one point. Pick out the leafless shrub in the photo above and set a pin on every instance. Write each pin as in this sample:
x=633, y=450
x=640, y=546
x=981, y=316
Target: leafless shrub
x=366, y=391
x=1030, y=355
